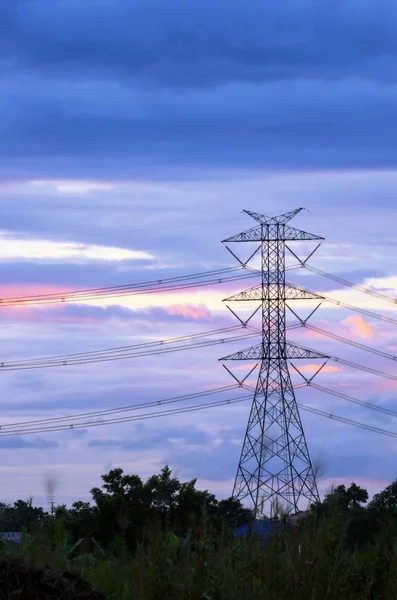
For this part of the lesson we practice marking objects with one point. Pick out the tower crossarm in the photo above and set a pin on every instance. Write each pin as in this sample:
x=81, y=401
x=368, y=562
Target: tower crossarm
x=289, y=292
x=272, y=352
x=273, y=233
x=281, y=219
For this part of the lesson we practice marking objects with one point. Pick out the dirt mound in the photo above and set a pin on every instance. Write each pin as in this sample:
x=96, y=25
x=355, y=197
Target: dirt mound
x=19, y=581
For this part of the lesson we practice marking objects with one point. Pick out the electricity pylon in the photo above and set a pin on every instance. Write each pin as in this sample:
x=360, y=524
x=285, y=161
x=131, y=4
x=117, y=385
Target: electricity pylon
x=275, y=466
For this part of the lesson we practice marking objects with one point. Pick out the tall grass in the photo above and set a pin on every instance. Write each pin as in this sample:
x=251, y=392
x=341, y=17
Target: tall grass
x=309, y=563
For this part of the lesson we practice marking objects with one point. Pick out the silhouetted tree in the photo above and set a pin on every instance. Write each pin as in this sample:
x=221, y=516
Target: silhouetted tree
x=22, y=514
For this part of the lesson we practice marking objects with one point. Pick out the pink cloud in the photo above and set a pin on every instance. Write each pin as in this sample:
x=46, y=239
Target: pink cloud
x=326, y=369
x=359, y=326
x=244, y=367
x=20, y=291
x=384, y=385
x=354, y=325
x=199, y=312
x=44, y=314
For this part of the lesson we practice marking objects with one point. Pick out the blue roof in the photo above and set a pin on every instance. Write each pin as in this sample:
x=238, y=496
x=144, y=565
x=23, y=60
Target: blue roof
x=263, y=527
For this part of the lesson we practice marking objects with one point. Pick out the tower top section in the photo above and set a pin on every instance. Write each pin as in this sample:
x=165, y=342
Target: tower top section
x=273, y=229
x=278, y=220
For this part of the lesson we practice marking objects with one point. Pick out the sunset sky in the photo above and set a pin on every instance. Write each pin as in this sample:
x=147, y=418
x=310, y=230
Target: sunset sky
x=133, y=135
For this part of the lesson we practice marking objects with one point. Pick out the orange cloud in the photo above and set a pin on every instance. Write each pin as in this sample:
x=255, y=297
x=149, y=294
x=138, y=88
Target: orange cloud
x=190, y=311
x=359, y=326
x=326, y=369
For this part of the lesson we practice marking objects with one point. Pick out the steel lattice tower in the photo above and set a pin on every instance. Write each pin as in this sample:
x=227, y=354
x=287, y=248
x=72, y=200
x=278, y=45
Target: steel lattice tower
x=275, y=461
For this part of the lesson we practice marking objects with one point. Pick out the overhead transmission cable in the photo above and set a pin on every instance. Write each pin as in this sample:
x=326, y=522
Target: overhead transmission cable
x=342, y=223
x=143, y=345
x=345, y=282
x=337, y=417
x=337, y=394
x=87, y=425
x=23, y=425
x=344, y=340
x=160, y=347
x=351, y=307
x=349, y=363
x=113, y=355
x=322, y=413
x=148, y=287
x=121, y=409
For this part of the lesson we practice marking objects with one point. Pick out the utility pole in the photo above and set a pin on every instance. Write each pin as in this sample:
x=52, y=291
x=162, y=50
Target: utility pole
x=275, y=470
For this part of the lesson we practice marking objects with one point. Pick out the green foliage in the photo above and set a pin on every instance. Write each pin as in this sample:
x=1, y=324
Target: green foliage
x=342, y=499
x=312, y=564
x=21, y=514
x=385, y=502
x=165, y=539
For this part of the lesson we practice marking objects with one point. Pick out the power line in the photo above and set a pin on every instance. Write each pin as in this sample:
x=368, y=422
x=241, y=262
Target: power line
x=355, y=365
x=108, y=353
x=119, y=356
x=154, y=286
x=157, y=286
x=356, y=286
x=110, y=411
x=353, y=308
x=337, y=394
x=342, y=223
x=344, y=340
x=202, y=406
x=119, y=351
x=21, y=425
x=93, y=353
x=349, y=421
x=338, y=418
x=88, y=424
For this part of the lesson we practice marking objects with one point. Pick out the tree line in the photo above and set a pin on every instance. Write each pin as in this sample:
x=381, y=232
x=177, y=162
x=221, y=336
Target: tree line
x=126, y=506
x=129, y=507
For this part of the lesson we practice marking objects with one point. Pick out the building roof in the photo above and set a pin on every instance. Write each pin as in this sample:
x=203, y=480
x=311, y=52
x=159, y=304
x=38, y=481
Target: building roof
x=262, y=527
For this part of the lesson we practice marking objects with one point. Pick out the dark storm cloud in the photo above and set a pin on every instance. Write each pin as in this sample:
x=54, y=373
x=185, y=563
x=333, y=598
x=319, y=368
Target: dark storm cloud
x=182, y=42
x=307, y=123
x=138, y=87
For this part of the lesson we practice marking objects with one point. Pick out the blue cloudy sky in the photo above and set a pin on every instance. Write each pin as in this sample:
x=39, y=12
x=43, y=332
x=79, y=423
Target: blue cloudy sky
x=132, y=136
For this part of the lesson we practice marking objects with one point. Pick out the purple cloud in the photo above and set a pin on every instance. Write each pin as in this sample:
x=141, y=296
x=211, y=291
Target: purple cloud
x=18, y=443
